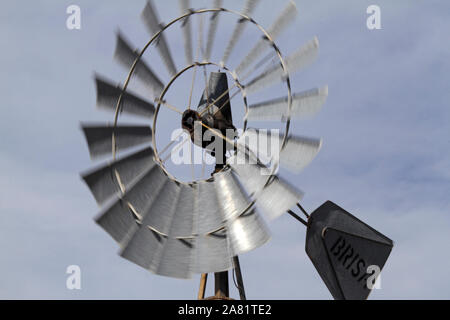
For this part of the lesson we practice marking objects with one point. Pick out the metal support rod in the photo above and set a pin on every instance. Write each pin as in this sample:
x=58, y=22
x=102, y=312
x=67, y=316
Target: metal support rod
x=303, y=210
x=221, y=287
x=239, y=280
x=201, y=290
x=298, y=217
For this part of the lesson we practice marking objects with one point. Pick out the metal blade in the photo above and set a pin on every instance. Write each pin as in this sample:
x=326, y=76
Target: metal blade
x=273, y=195
x=144, y=248
x=124, y=216
x=151, y=20
x=116, y=177
x=127, y=57
x=286, y=17
x=177, y=258
x=147, y=245
x=249, y=7
x=214, y=21
x=278, y=197
x=108, y=96
x=296, y=154
x=300, y=59
x=212, y=253
x=160, y=214
x=207, y=213
x=304, y=104
x=187, y=39
x=100, y=138
x=232, y=197
x=183, y=221
x=247, y=233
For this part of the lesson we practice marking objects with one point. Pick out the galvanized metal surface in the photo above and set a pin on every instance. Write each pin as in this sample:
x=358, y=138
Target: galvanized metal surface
x=100, y=138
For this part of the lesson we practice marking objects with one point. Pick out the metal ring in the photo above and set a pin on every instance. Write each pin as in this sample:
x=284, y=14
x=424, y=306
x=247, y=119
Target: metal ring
x=188, y=14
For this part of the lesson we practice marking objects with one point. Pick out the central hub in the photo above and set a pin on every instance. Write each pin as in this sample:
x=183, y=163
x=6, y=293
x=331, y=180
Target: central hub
x=213, y=112
x=198, y=122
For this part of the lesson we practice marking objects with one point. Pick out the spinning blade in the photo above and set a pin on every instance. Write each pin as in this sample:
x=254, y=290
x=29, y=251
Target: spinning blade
x=100, y=138
x=249, y=7
x=231, y=197
x=295, y=154
x=214, y=20
x=124, y=216
x=304, y=104
x=247, y=232
x=273, y=195
x=212, y=253
x=119, y=175
x=281, y=23
x=128, y=57
x=151, y=20
x=108, y=96
x=186, y=26
x=295, y=62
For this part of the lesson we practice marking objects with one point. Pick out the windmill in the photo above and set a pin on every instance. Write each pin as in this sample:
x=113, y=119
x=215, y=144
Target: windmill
x=178, y=228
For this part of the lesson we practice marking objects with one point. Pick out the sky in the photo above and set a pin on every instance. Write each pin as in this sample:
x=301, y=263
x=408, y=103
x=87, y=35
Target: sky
x=385, y=155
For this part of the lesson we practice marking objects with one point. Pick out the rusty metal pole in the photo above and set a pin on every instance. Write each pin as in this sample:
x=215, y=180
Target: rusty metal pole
x=201, y=290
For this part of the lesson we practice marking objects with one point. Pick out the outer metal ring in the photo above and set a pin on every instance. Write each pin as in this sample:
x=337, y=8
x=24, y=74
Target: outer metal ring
x=188, y=14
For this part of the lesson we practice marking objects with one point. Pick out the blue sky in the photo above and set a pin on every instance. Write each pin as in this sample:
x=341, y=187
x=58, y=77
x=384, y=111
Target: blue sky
x=385, y=158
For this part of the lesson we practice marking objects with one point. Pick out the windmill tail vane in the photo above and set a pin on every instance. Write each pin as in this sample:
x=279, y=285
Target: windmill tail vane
x=178, y=226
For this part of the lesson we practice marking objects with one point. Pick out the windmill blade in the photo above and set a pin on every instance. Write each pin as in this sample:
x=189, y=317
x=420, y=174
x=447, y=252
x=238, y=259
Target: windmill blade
x=150, y=256
x=296, y=154
x=304, y=104
x=287, y=16
x=123, y=217
x=161, y=212
x=160, y=254
x=127, y=57
x=212, y=253
x=239, y=29
x=183, y=221
x=207, y=213
x=273, y=195
x=300, y=59
x=116, y=177
x=247, y=233
x=214, y=21
x=186, y=26
x=144, y=248
x=108, y=96
x=151, y=20
x=176, y=259
x=278, y=197
x=100, y=138
x=232, y=197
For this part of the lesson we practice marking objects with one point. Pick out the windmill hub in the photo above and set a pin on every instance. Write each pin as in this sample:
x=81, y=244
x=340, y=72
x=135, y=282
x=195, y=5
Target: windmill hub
x=188, y=120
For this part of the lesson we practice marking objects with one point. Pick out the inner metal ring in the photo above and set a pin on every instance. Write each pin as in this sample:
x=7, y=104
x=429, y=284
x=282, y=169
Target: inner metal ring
x=161, y=98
